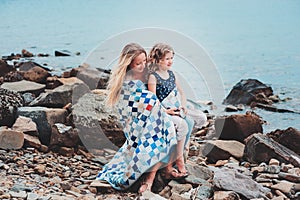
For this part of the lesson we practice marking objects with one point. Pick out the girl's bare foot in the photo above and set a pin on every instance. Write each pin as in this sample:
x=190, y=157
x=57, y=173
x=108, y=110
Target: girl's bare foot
x=181, y=166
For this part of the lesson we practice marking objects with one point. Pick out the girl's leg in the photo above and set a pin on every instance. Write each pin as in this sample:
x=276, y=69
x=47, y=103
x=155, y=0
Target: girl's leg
x=182, y=132
x=180, y=159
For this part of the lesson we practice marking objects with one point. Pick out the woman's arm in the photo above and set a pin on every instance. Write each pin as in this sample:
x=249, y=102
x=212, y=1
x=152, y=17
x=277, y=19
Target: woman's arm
x=152, y=83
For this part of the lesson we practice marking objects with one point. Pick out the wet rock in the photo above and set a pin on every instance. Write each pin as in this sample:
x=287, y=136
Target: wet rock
x=9, y=102
x=25, y=125
x=231, y=180
x=5, y=68
x=26, y=53
x=61, y=96
x=289, y=138
x=24, y=86
x=238, y=127
x=216, y=150
x=63, y=135
x=231, y=108
x=44, y=119
x=245, y=92
x=261, y=148
x=62, y=53
x=37, y=74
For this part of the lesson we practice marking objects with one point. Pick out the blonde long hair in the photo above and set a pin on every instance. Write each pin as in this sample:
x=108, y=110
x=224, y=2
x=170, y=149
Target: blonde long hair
x=157, y=53
x=128, y=54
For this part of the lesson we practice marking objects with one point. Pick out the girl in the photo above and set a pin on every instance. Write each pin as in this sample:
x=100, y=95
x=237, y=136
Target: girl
x=164, y=83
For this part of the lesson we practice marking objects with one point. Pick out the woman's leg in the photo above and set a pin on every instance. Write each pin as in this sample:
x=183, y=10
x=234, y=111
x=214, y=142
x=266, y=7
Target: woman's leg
x=147, y=183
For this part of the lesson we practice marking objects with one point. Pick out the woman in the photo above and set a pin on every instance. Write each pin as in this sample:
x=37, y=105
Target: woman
x=150, y=133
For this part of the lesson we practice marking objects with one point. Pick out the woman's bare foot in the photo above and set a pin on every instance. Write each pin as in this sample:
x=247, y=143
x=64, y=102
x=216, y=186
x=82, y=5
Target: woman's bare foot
x=144, y=187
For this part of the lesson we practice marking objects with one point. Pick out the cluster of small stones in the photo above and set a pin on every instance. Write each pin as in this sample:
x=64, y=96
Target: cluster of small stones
x=30, y=174
x=9, y=101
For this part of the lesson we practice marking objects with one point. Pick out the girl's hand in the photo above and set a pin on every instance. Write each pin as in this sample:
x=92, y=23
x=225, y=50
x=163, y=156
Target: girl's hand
x=173, y=111
x=184, y=109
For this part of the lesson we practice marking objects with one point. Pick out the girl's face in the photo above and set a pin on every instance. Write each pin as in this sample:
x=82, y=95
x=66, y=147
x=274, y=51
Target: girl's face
x=138, y=64
x=167, y=61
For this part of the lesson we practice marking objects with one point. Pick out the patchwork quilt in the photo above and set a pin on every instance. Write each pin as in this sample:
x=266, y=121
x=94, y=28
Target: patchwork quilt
x=150, y=136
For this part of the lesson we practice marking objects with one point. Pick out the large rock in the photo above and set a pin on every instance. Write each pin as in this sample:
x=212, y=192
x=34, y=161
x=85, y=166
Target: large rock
x=10, y=139
x=232, y=180
x=260, y=148
x=238, y=127
x=97, y=124
x=94, y=78
x=289, y=138
x=37, y=74
x=216, y=150
x=9, y=102
x=44, y=118
x=61, y=96
x=5, y=68
x=24, y=87
x=248, y=91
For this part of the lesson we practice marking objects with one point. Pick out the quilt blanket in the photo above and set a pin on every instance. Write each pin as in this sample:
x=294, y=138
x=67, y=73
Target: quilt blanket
x=150, y=136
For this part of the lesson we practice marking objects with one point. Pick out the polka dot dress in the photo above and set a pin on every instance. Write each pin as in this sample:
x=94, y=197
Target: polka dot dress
x=164, y=86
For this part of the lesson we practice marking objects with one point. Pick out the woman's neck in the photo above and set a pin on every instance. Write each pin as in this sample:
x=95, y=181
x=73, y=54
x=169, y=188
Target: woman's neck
x=136, y=76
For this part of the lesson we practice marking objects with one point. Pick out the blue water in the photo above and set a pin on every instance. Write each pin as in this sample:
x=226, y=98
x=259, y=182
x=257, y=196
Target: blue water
x=245, y=39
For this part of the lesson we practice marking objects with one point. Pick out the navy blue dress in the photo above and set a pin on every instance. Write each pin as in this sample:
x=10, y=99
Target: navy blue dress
x=164, y=86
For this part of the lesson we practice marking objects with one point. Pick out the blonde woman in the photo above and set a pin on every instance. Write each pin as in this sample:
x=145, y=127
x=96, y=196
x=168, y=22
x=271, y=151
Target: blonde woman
x=150, y=134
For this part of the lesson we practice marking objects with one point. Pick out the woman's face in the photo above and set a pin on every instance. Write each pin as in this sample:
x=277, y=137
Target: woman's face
x=138, y=64
x=167, y=61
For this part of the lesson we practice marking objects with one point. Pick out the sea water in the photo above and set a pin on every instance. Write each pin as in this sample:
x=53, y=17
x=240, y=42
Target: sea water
x=245, y=39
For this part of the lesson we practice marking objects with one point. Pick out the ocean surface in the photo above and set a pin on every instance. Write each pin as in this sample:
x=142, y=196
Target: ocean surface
x=245, y=39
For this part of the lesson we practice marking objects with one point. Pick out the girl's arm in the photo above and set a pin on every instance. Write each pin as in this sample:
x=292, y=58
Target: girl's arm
x=182, y=94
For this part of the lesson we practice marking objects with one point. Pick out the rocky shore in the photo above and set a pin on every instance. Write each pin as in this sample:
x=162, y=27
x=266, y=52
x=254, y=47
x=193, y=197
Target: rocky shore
x=56, y=134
